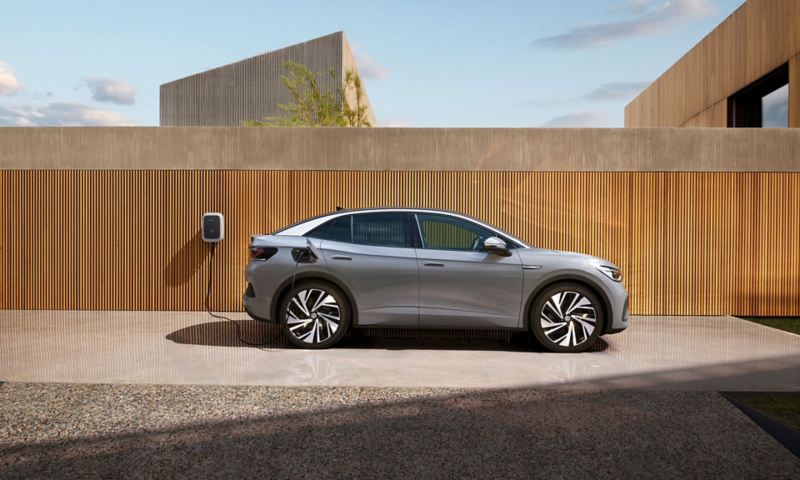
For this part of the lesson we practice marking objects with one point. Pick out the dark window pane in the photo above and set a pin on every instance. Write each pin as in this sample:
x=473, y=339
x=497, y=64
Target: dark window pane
x=763, y=103
x=381, y=229
x=775, y=108
x=442, y=232
x=337, y=230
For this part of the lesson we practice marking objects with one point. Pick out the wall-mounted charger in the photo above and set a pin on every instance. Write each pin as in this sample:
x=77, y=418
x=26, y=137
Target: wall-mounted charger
x=213, y=233
x=213, y=227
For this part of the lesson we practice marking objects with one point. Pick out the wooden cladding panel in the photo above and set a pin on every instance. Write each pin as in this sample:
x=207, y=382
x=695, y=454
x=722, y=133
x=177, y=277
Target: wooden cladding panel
x=714, y=116
x=688, y=243
x=757, y=38
x=794, y=90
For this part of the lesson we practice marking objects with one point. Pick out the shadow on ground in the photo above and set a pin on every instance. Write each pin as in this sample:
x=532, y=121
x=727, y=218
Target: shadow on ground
x=223, y=334
x=247, y=432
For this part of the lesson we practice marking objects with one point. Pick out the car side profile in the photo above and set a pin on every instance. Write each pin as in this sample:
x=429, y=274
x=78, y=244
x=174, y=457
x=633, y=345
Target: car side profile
x=422, y=268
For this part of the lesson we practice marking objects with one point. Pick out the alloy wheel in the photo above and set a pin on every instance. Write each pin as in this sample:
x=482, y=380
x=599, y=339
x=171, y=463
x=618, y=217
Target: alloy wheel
x=568, y=318
x=313, y=315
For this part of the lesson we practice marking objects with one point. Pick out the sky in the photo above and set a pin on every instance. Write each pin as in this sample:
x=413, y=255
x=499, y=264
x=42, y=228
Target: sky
x=535, y=63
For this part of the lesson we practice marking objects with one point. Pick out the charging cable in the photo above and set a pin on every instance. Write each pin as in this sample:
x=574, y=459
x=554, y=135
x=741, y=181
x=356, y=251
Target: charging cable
x=222, y=317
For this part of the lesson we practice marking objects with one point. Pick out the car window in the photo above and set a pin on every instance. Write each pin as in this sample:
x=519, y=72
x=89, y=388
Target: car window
x=339, y=230
x=386, y=229
x=443, y=232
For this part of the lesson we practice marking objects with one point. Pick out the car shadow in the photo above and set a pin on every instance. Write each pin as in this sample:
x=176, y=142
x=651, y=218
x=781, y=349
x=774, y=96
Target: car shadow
x=258, y=334
x=224, y=334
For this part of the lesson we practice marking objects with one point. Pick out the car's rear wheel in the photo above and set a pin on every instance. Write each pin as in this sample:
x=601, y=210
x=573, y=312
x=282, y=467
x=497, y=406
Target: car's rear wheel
x=315, y=315
x=567, y=317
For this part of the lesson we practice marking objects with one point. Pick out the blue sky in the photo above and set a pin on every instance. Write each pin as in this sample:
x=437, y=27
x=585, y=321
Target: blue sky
x=426, y=63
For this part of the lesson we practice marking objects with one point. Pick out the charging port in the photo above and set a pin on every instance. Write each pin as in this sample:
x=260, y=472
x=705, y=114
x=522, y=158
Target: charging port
x=303, y=255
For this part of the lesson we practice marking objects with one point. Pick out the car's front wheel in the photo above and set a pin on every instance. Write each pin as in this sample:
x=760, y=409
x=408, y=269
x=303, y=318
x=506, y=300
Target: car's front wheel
x=315, y=315
x=566, y=318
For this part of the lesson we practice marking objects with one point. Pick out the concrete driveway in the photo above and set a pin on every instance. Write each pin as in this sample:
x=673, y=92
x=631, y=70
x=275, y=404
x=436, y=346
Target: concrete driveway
x=677, y=353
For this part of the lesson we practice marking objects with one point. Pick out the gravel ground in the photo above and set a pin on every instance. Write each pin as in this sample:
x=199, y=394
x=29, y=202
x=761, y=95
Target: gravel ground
x=110, y=431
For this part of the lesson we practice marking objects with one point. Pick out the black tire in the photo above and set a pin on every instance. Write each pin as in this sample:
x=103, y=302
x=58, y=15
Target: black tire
x=304, y=325
x=578, y=335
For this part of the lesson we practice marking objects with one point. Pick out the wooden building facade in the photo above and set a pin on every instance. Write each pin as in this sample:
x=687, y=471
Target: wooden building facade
x=728, y=72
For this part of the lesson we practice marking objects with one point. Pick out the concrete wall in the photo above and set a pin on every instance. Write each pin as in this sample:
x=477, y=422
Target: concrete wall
x=349, y=65
x=251, y=89
x=673, y=150
x=757, y=38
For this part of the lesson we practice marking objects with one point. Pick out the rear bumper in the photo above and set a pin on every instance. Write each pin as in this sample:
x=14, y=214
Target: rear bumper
x=256, y=308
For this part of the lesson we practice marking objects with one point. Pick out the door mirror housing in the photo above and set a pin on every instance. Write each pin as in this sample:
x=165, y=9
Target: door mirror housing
x=497, y=246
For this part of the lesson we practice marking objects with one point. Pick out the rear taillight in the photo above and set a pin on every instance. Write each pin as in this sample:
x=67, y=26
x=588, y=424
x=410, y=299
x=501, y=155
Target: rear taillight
x=262, y=253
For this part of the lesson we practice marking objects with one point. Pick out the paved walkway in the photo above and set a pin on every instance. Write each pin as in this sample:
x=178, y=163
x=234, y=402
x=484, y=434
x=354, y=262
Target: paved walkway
x=677, y=353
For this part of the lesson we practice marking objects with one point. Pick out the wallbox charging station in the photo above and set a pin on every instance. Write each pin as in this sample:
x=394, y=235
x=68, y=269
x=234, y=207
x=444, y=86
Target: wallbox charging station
x=213, y=227
x=213, y=232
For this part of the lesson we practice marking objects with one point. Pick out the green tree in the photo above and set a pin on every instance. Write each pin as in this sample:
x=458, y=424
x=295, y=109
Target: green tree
x=313, y=107
x=352, y=91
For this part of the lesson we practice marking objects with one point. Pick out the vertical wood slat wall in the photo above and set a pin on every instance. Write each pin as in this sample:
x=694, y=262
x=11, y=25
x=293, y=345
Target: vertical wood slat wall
x=689, y=243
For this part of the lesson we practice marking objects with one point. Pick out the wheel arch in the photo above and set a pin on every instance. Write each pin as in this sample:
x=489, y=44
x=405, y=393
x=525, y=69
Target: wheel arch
x=285, y=286
x=587, y=283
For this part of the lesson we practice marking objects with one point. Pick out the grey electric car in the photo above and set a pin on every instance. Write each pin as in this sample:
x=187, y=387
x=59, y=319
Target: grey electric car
x=418, y=268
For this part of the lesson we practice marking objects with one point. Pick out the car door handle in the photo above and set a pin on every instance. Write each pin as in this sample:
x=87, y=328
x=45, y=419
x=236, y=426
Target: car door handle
x=433, y=264
x=341, y=257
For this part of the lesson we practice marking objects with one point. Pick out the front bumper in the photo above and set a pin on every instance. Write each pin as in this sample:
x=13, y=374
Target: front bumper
x=620, y=314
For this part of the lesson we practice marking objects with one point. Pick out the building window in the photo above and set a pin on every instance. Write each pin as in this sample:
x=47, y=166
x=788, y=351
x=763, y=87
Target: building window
x=775, y=108
x=763, y=103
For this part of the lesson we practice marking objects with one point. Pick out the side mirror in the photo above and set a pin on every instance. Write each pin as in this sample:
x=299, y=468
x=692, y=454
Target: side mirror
x=497, y=246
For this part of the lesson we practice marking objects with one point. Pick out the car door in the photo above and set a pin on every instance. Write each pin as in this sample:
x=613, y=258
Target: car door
x=373, y=254
x=461, y=285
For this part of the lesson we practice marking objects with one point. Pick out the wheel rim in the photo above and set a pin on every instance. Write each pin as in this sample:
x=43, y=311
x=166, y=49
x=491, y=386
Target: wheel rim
x=568, y=318
x=313, y=315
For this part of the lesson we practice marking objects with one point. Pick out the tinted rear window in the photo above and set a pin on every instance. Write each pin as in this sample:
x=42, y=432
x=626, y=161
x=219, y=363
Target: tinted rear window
x=388, y=229
x=337, y=230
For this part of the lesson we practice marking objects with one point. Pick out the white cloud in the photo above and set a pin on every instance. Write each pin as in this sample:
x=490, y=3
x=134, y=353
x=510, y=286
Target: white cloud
x=9, y=85
x=59, y=115
x=578, y=120
x=394, y=123
x=616, y=91
x=610, y=91
x=111, y=90
x=367, y=66
x=633, y=6
x=644, y=18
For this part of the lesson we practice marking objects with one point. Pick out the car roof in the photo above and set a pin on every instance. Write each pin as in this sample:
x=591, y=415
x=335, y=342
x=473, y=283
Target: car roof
x=305, y=226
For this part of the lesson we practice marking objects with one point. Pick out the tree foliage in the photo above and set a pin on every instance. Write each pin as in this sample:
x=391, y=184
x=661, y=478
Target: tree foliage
x=352, y=91
x=315, y=106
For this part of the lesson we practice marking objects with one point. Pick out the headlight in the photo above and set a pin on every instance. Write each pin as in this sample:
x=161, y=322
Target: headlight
x=611, y=272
